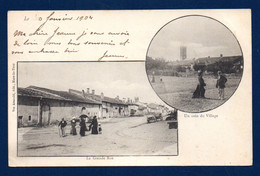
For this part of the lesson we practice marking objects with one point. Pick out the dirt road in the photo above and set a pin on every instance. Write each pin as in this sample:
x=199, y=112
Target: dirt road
x=177, y=92
x=121, y=136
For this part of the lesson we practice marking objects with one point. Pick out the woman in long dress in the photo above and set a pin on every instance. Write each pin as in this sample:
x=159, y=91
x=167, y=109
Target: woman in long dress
x=73, y=126
x=200, y=90
x=82, y=126
x=94, y=125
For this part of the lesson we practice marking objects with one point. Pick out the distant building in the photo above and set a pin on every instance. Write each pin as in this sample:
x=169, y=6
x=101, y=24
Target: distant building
x=111, y=107
x=154, y=108
x=137, y=108
x=183, y=52
x=226, y=64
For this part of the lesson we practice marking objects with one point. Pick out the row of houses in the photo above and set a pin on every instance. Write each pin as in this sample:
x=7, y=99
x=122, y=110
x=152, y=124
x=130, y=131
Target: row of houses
x=226, y=64
x=138, y=108
x=41, y=106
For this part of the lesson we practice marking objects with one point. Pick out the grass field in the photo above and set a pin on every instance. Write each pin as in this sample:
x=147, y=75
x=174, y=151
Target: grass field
x=177, y=92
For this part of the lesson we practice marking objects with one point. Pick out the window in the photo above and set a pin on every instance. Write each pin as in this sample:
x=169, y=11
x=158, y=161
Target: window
x=29, y=118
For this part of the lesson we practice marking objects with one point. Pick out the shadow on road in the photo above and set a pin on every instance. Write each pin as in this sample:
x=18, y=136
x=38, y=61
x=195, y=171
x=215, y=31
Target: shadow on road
x=45, y=146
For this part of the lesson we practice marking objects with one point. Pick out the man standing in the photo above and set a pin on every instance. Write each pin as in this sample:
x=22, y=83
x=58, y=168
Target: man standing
x=62, y=125
x=221, y=81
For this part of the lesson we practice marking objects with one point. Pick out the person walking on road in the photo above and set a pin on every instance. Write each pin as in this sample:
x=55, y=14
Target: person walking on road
x=221, y=81
x=62, y=125
x=82, y=126
x=73, y=126
x=94, y=125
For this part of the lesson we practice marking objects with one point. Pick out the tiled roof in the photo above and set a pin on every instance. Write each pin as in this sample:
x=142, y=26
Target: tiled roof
x=35, y=93
x=41, y=92
x=113, y=100
x=106, y=99
x=53, y=94
x=213, y=60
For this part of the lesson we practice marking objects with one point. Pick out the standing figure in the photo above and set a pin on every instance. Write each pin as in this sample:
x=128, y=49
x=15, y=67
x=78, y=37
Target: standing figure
x=73, y=126
x=153, y=78
x=62, y=125
x=99, y=128
x=221, y=81
x=82, y=126
x=202, y=85
x=94, y=125
x=200, y=90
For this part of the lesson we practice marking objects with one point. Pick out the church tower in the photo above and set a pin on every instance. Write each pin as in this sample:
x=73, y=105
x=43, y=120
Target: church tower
x=183, y=52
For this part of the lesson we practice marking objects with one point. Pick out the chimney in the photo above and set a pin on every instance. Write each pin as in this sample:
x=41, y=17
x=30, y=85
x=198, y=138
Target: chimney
x=83, y=93
x=102, y=95
x=93, y=92
x=221, y=55
x=87, y=90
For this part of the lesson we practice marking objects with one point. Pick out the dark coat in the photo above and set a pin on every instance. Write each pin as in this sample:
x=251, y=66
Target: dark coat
x=94, y=125
x=201, y=81
x=200, y=90
x=221, y=82
x=62, y=124
x=82, y=127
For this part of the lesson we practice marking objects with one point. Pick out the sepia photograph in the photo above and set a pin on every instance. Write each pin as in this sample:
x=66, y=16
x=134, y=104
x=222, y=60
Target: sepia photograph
x=194, y=63
x=91, y=109
x=150, y=91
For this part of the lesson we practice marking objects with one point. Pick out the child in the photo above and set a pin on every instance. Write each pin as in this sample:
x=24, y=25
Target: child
x=221, y=81
x=73, y=126
x=99, y=129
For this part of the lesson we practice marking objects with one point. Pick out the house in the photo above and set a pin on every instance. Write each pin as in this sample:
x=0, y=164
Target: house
x=111, y=107
x=155, y=108
x=41, y=106
x=227, y=64
x=133, y=109
x=137, y=108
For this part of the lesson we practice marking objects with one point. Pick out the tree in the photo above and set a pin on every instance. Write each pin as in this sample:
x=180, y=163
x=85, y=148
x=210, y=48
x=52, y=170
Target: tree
x=155, y=64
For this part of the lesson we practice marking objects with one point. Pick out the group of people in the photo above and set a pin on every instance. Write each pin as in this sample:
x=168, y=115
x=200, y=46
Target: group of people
x=94, y=126
x=220, y=85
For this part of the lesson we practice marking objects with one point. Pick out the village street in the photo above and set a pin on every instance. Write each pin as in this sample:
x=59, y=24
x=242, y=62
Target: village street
x=120, y=136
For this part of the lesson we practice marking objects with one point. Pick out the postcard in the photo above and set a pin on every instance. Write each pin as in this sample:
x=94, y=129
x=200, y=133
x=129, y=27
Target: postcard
x=130, y=88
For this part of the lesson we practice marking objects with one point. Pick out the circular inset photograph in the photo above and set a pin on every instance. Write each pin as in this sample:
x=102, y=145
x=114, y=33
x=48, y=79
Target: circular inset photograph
x=194, y=63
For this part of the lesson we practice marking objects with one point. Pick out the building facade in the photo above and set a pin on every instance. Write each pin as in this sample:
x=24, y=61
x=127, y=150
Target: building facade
x=41, y=107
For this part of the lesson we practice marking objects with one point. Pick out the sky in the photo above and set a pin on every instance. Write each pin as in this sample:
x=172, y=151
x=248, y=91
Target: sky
x=123, y=79
x=201, y=35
